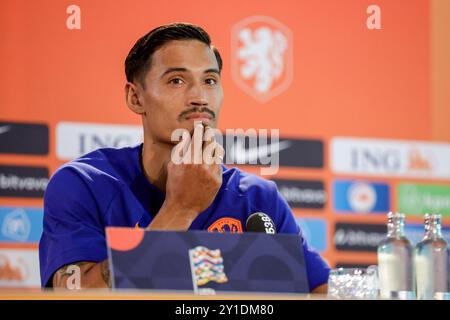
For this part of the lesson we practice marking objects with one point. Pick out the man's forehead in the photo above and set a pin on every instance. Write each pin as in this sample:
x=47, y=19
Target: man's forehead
x=192, y=55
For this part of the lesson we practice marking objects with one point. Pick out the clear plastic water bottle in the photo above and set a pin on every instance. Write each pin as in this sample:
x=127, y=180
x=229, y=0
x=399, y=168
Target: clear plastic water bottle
x=431, y=260
x=395, y=264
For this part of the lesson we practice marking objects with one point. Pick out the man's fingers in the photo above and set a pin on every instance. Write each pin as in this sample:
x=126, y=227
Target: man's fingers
x=181, y=152
x=187, y=143
x=208, y=137
x=197, y=143
x=213, y=152
x=204, y=147
x=219, y=154
x=208, y=146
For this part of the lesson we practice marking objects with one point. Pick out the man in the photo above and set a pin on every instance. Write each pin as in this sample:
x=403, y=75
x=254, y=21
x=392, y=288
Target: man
x=173, y=82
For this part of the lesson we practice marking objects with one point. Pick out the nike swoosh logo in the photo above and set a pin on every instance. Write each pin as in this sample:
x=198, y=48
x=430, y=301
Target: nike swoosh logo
x=4, y=129
x=240, y=154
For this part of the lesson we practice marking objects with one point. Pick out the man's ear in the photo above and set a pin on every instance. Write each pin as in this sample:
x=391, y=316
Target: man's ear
x=132, y=98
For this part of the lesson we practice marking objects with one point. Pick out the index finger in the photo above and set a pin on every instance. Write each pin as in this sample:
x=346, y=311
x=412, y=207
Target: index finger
x=197, y=143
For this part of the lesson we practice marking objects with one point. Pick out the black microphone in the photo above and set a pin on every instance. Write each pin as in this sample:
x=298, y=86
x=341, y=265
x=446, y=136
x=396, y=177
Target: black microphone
x=260, y=222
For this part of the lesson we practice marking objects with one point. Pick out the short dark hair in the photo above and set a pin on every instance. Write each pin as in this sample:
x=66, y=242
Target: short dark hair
x=138, y=61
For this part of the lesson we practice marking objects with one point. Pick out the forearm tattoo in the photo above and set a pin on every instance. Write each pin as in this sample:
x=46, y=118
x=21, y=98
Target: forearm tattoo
x=61, y=276
x=97, y=275
x=106, y=274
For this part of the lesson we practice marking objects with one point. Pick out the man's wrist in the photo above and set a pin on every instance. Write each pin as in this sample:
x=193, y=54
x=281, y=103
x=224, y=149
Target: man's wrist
x=172, y=216
x=179, y=212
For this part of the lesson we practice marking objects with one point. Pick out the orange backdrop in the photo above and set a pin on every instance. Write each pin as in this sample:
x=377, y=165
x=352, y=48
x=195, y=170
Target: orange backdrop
x=347, y=80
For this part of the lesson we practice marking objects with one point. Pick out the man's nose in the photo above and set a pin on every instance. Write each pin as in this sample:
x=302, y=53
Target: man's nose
x=197, y=96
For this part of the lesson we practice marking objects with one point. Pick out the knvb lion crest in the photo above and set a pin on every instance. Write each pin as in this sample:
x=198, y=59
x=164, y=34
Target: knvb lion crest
x=262, y=57
x=226, y=224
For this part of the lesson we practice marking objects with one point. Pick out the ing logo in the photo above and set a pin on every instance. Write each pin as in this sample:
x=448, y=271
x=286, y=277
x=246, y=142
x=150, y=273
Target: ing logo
x=262, y=57
x=420, y=161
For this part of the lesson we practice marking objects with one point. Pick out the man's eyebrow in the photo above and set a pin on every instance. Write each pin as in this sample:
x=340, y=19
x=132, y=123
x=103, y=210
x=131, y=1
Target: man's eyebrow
x=174, y=70
x=212, y=70
x=179, y=69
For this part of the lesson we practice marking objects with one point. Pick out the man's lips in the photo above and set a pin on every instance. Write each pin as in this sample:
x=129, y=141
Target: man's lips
x=199, y=115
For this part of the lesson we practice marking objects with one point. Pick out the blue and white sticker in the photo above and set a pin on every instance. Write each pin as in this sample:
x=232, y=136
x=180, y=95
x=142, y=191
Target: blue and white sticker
x=20, y=224
x=315, y=232
x=360, y=197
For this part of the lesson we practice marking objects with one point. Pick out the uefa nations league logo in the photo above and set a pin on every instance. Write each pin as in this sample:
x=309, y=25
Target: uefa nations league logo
x=262, y=57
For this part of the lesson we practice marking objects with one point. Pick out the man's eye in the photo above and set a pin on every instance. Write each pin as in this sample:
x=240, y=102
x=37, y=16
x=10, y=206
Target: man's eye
x=211, y=81
x=176, y=81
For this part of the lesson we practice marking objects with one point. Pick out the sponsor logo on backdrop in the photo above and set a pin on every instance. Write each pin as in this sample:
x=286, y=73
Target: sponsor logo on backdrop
x=315, y=232
x=288, y=152
x=24, y=182
x=74, y=139
x=358, y=237
x=423, y=198
x=19, y=268
x=415, y=232
x=262, y=57
x=390, y=158
x=24, y=138
x=302, y=194
x=360, y=197
x=20, y=224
